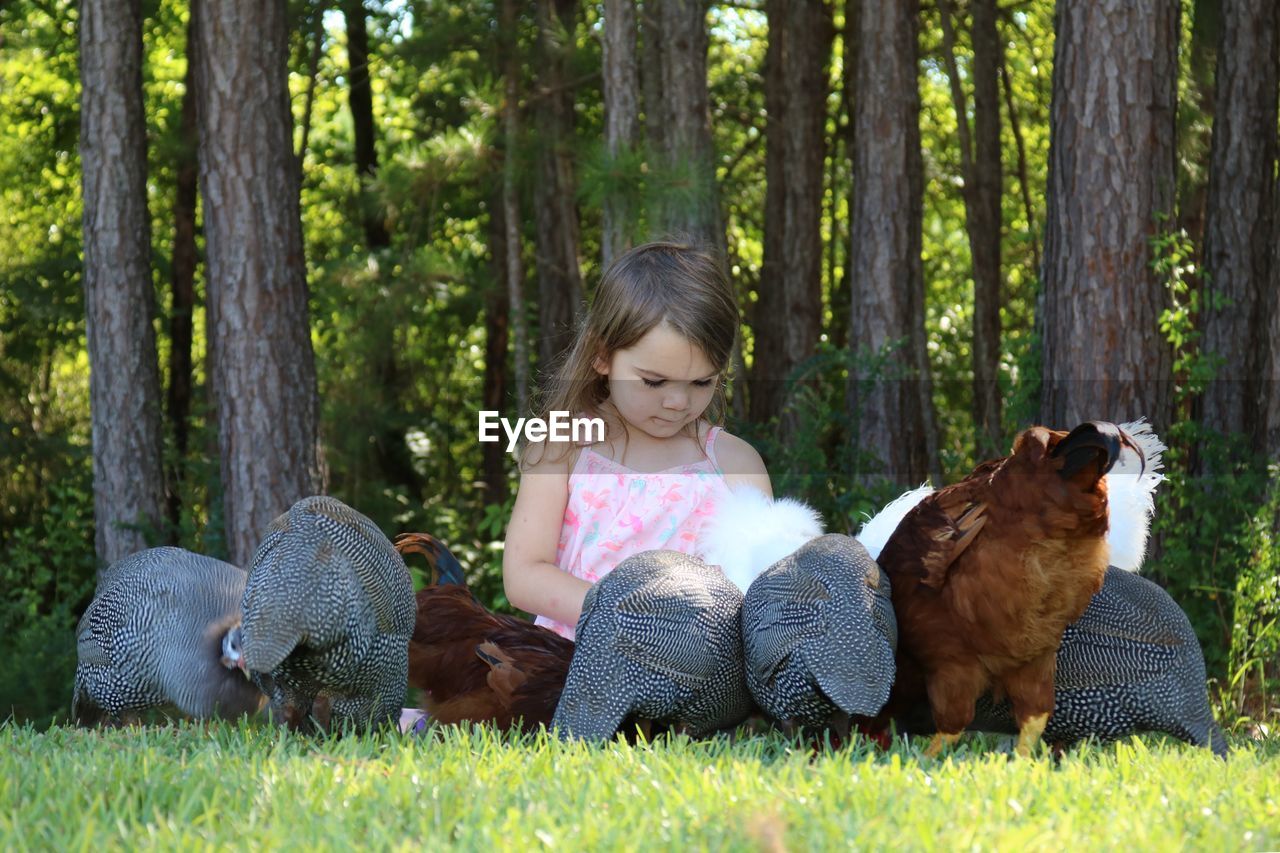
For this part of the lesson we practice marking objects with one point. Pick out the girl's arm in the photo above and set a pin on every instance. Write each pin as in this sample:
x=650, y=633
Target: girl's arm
x=741, y=464
x=532, y=580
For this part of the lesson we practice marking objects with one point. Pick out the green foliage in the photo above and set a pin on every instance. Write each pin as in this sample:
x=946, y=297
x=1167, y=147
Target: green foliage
x=1213, y=554
x=1252, y=689
x=821, y=462
x=40, y=655
x=1204, y=530
x=242, y=786
x=43, y=382
x=399, y=332
x=47, y=572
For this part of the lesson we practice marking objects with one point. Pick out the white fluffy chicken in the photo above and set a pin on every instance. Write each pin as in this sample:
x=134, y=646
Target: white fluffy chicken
x=751, y=531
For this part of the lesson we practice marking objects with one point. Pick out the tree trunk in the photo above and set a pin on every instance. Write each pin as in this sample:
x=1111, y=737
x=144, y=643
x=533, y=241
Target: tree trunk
x=497, y=310
x=680, y=120
x=621, y=119
x=890, y=389
x=182, y=282
x=555, y=208
x=981, y=174
x=262, y=366
x=1238, y=230
x=361, y=98
x=1111, y=179
x=507, y=48
x=1271, y=374
x=795, y=89
x=651, y=38
x=124, y=376
x=985, y=225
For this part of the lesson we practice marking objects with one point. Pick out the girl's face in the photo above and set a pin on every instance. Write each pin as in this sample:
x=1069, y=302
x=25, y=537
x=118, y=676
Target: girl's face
x=661, y=384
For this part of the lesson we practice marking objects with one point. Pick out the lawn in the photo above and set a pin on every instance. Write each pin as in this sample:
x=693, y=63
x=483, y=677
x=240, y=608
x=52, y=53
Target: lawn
x=191, y=786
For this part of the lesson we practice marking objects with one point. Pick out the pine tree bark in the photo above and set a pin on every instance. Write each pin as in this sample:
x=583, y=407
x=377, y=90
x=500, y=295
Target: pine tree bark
x=621, y=118
x=360, y=94
x=262, y=366
x=678, y=117
x=509, y=17
x=497, y=311
x=985, y=228
x=795, y=89
x=1238, y=245
x=981, y=172
x=1271, y=374
x=124, y=375
x=890, y=387
x=182, y=284
x=1111, y=179
x=556, y=242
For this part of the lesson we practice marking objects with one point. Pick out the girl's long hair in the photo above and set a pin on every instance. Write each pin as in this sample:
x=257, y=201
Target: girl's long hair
x=678, y=283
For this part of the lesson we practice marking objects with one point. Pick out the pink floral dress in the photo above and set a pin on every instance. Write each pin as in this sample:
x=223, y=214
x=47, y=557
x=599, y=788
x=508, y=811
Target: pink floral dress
x=615, y=512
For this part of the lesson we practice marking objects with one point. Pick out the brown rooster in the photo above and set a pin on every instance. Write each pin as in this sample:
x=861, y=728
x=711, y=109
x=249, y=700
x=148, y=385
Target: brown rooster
x=477, y=666
x=987, y=574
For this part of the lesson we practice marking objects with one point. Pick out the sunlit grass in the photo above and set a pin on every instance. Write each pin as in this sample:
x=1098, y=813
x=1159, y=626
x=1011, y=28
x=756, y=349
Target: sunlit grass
x=193, y=787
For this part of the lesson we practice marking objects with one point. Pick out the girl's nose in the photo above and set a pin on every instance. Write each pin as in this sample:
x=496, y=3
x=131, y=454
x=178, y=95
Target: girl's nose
x=676, y=400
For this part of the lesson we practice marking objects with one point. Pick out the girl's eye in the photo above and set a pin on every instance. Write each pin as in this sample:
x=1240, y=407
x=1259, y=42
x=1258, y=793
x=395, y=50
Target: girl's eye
x=658, y=383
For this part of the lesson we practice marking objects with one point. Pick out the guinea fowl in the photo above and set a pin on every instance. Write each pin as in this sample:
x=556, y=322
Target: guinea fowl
x=328, y=610
x=475, y=666
x=659, y=641
x=819, y=635
x=1130, y=664
x=988, y=573
x=817, y=622
x=162, y=629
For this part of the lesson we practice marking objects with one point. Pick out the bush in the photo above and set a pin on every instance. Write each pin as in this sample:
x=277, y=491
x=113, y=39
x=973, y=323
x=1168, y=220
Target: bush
x=47, y=570
x=40, y=666
x=1252, y=690
x=1204, y=533
x=820, y=462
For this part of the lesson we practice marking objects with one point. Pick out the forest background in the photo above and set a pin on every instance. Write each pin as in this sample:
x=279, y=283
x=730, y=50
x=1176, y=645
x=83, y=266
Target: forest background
x=944, y=222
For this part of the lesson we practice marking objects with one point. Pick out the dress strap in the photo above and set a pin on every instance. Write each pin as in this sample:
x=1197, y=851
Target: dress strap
x=710, y=446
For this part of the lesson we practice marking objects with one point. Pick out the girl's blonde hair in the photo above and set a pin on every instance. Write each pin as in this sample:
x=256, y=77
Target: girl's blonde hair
x=677, y=283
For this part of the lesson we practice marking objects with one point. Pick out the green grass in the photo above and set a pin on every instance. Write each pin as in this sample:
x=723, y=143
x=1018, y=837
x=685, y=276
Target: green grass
x=248, y=786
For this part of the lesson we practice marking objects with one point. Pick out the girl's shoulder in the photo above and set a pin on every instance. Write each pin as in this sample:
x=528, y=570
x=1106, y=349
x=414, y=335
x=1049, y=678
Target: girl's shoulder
x=548, y=457
x=730, y=448
x=740, y=462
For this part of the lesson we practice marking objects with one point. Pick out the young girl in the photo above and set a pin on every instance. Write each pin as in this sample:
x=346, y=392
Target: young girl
x=649, y=361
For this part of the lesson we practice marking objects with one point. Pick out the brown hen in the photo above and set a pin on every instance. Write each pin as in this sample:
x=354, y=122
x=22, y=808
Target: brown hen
x=477, y=666
x=987, y=574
